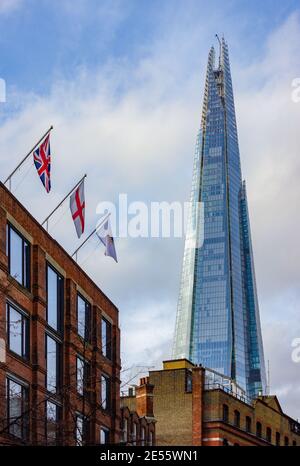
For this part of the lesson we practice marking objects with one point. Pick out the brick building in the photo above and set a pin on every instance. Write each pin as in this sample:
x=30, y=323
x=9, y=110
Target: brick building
x=137, y=418
x=197, y=406
x=59, y=341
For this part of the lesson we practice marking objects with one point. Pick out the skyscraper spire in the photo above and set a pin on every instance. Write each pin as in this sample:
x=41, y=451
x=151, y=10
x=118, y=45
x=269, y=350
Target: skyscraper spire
x=218, y=321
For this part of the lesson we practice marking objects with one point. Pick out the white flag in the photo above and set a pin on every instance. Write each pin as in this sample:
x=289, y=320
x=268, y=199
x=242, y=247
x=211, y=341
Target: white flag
x=104, y=233
x=77, y=206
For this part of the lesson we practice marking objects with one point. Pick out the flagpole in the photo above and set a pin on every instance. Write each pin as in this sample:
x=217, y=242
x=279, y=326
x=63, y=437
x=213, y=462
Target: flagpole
x=90, y=235
x=61, y=202
x=26, y=157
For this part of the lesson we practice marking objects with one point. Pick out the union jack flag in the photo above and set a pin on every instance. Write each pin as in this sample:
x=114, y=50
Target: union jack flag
x=42, y=162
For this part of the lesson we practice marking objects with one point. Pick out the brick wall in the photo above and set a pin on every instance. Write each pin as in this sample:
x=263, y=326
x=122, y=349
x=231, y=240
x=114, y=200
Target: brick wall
x=44, y=249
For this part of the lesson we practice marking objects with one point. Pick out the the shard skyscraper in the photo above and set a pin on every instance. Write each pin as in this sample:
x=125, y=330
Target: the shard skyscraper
x=218, y=322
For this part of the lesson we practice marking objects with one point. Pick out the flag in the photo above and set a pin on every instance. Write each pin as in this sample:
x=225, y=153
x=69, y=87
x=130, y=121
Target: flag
x=105, y=235
x=77, y=206
x=42, y=162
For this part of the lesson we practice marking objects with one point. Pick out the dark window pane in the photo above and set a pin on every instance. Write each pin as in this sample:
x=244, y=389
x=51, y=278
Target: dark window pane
x=106, y=331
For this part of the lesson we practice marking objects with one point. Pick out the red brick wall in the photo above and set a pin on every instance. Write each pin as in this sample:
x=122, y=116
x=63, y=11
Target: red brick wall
x=34, y=302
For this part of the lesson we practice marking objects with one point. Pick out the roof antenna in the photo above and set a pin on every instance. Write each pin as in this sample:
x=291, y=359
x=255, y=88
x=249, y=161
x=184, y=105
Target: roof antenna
x=220, y=50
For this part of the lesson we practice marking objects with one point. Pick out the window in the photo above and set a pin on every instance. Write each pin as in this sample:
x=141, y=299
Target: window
x=105, y=392
x=52, y=422
x=151, y=437
x=83, y=375
x=55, y=299
x=225, y=413
x=188, y=383
x=17, y=331
x=125, y=431
x=53, y=364
x=134, y=433
x=83, y=318
x=286, y=441
x=104, y=435
x=237, y=418
x=248, y=424
x=277, y=439
x=18, y=251
x=106, y=333
x=82, y=430
x=143, y=436
x=258, y=429
x=269, y=434
x=17, y=405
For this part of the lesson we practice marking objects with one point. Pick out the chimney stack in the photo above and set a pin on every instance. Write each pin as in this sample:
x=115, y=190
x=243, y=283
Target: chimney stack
x=144, y=398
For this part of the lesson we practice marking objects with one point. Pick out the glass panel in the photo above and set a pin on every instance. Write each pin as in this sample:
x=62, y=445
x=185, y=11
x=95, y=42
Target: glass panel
x=106, y=331
x=51, y=423
x=80, y=375
x=52, y=361
x=81, y=317
x=104, y=436
x=105, y=392
x=16, y=400
x=15, y=331
x=16, y=256
x=52, y=298
x=79, y=431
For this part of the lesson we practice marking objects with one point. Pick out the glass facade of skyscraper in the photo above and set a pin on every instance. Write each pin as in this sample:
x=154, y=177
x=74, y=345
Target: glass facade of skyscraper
x=218, y=321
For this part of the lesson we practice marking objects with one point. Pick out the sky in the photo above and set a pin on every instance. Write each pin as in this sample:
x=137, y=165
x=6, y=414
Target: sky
x=122, y=83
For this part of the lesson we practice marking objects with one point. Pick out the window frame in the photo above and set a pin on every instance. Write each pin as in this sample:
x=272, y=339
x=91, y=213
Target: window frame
x=88, y=323
x=26, y=256
x=107, y=349
x=106, y=432
x=237, y=418
x=86, y=377
x=58, y=417
x=24, y=427
x=85, y=430
x=248, y=424
x=258, y=429
x=58, y=366
x=225, y=413
x=60, y=299
x=106, y=404
x=25, y=329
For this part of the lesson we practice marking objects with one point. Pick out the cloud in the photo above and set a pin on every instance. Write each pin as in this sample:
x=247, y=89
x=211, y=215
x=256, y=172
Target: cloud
x=132, y=127
x=7, y=6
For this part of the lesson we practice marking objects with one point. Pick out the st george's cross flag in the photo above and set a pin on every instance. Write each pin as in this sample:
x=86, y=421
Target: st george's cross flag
x=104, y=233
x=42, y=162
x=77, y=206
